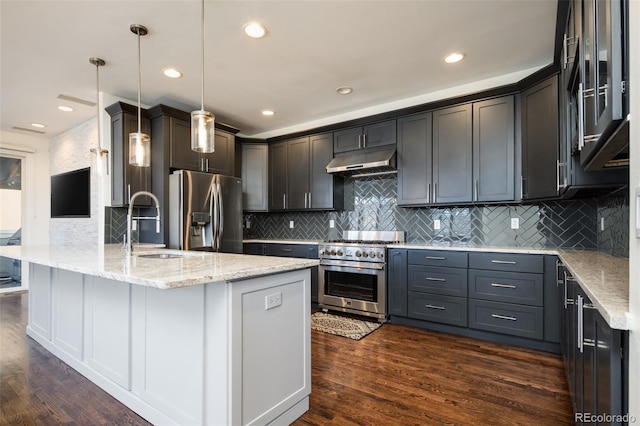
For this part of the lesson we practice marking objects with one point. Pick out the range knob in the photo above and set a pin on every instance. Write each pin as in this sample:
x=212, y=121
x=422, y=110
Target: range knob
x=372, y=254
x=380, y=255
x=321, y=251
x=365, y=254
x=358, y=253
x=340, y=253
x=333, y=252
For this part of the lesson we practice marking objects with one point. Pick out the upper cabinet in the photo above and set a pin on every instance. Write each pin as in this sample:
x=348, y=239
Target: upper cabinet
x=127, y=179
x=540, y=136
x=297, y=176
x=255, y=177
x=370, y=136
x=461, y=154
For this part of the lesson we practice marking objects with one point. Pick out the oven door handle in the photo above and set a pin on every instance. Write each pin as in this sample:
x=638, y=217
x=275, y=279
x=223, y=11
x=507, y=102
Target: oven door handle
x=353, y=265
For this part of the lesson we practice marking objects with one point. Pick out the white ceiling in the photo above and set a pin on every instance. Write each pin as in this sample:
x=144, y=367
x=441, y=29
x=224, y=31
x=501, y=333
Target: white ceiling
x=390, y=52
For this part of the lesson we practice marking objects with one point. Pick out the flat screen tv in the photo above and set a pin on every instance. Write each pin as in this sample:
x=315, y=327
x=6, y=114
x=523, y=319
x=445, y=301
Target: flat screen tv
x=71, y=194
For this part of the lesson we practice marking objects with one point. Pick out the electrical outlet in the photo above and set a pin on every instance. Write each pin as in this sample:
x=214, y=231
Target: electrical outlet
x=291, y=224
x=272, y=301
x=436, y=224
x=134, y=225
x=515, y=223
x=248, y=224
x=332, y=223
x=602, y=223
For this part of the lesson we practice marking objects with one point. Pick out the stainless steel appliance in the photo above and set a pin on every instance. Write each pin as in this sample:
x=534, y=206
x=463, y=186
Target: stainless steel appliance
x=352, y=276
x=205, y=212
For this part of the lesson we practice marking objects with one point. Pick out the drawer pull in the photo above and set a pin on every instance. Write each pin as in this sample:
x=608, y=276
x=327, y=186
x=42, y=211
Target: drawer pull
x=504, y=317
x=504, y=262
x=286, y=250
x=435, y=257
x=503, y=285
x=442, y=308
x=589, y=342
x=435, y=279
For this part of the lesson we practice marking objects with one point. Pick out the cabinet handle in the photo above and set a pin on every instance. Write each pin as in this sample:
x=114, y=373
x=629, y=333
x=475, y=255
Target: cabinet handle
x=504, y=317
x=602, y=90
x=129, y=194
x=584, y=139
x=364, y=140
x=428, y=193
x=580, y=324
x=564, y=51
x=286, y=250
x=435, y=279
x=305, y=200
x=504, y=262
x=476, y=190
x=503, y=285
x=558, y=185
x=580, y=117
x=359, y=141
x=309, y=200
x=435, y=257
x=441, y=308
x=567, y=301
x=589, y=342
x=207, y=165
x=435, y=192
x=284, y=201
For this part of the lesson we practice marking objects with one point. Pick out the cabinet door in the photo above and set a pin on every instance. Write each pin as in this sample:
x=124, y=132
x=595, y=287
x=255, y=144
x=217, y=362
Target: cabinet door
x=397, y=277
x=414, y=160
x=298, y=174
x=126, y=178
x=452, y=154
x=278, y=176
x=607, y=370
x=347, y=140
x=493, y=150
x=182, y=156
x=322, y=183
x=254, y=248
x=222, y=160
x=379, y=134
x=540, y=138
x=255, y=177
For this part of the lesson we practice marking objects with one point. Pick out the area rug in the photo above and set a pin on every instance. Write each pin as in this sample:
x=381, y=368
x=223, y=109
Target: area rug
x=342, y=326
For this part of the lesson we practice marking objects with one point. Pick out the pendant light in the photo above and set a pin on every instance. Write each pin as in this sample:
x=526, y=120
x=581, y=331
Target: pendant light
x=139, y=143
x=99, y=150
x=202, y=122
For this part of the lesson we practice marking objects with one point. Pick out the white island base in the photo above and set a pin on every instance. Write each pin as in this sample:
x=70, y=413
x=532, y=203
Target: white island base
x=222, y=353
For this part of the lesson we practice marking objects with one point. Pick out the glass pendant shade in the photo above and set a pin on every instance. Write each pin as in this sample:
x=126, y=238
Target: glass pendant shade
x=139, y=149
x=202, y=131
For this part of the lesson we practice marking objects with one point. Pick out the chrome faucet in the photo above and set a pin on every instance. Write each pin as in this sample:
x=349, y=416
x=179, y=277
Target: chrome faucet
x=128, y=246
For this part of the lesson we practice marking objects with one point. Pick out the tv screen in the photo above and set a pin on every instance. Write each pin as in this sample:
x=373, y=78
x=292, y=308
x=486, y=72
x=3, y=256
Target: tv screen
x=71, y=194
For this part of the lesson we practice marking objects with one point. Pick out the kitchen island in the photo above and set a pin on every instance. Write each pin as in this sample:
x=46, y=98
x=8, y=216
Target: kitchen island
x=179, y=337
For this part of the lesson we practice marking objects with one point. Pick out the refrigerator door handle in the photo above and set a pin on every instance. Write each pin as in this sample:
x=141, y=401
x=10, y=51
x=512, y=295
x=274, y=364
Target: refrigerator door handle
x=213, y=210
x=221, y=214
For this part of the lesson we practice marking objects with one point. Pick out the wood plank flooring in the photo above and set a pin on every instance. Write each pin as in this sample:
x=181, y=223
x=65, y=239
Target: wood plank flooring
x=395, y=376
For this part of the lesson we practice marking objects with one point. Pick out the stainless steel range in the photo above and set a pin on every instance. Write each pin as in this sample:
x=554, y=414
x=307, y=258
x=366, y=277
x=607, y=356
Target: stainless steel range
x=353, y=272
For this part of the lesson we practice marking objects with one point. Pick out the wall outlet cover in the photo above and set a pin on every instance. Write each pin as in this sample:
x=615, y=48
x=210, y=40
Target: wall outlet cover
x=602, y=223
x=291, y=224
x=273, y=300
x=515, y=223
x=134, y=225
x=436, y=224
x=332, y=223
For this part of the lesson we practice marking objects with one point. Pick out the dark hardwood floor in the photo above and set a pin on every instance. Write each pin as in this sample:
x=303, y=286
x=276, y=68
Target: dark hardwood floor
x=395, y=376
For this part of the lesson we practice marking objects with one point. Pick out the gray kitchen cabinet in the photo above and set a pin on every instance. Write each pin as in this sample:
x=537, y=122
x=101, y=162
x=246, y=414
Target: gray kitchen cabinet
x=414, y=160
x=540, y=136
x=397, y=282
x=301, y=251
x=222, y=160
x=361, y=137
x=297, y=175
x=255, y=177
x=452, y=155
x=127, y=179
x=493, y=150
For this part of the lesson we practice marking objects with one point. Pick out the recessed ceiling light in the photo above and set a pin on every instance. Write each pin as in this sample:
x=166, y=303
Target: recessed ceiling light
x=255, y=30
x=65, y=108
x=344, y=90
x=171, y=73
x=268, y=112
x=454, y=57
x=38, y=125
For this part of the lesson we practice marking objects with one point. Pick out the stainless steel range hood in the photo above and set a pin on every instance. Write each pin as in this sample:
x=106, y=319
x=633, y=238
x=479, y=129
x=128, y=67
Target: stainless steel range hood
x=364, y=162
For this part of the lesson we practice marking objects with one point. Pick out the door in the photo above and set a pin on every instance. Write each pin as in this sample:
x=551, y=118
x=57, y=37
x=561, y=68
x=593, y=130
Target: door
x=230, y=214
x=10, y=219
x=182, y=156
x=414, y=160
x=379, y=134
x=493, y=150
x=255, y=160
x=347, y=140
x=322, y=183
x=194, y=205
x=452, y=154
x=278, y=176
x=222, y=160
x=298, y=174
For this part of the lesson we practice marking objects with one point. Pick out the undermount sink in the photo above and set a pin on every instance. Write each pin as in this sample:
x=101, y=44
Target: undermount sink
x=162, y=255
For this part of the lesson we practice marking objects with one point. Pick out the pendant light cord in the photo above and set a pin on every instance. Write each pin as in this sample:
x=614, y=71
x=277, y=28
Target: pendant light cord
x=202, y=53
x=98, y=102
x=139, y=78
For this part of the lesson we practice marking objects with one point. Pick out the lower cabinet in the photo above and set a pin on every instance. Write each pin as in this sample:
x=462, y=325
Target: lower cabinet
x=593, y=354
x=300, y=251
x=504, y=297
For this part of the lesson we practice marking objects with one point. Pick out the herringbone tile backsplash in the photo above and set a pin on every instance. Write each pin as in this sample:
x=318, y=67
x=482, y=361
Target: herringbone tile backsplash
x=551, y=224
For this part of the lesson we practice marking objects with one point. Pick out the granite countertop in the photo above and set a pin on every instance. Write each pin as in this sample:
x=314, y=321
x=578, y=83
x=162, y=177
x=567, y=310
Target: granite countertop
x=192, y=268
x=604, y=278
x=275, y=241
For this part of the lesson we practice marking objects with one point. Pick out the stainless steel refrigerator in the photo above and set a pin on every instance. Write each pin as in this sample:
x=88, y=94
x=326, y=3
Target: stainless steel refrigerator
x=205, y=212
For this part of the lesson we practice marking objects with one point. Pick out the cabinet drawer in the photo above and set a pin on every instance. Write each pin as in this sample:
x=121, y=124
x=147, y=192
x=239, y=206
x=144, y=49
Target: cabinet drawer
x=509, y=287
x=287, y=250
x=452, y=259
x=431, y=279
x=507, y=262
x=505, y=318
x=443, y=309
